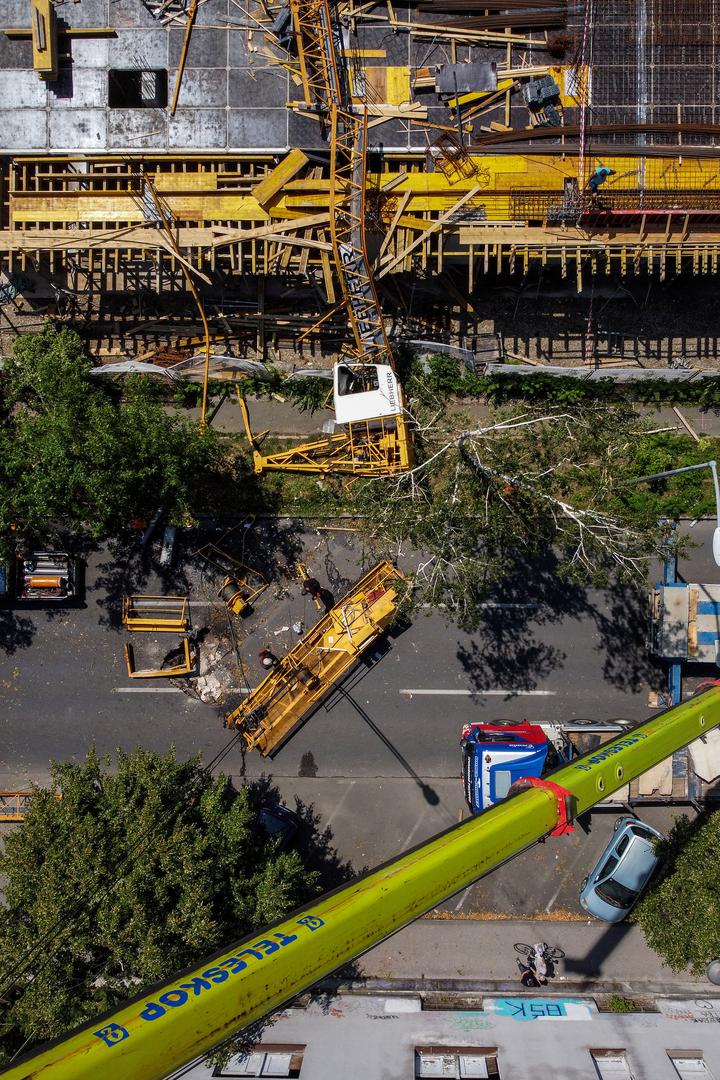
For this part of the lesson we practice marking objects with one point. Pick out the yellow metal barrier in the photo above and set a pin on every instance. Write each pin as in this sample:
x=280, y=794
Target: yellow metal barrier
x=178, y=1020
x=184, y=668
x=13, y=805
x=323, y=656
x=156, y=614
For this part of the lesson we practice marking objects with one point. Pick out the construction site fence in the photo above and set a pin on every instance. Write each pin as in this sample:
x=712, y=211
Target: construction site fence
x=620, y=375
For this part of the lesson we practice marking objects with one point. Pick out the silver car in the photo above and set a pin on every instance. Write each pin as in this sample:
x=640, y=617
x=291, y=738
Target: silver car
x=623, y=870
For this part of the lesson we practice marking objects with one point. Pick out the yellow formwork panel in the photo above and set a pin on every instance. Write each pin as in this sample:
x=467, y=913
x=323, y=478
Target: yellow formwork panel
x=93, y=206
x=219, y=207
x=194, y=196
x=274, y=182
x=398, y=85
x=165, y=182
x=74, y=209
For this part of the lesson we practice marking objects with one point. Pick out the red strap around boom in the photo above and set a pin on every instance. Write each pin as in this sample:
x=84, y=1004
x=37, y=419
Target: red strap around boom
x=562, y=795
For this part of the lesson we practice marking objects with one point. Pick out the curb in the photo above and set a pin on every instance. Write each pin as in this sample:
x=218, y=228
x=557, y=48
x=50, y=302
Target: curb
x=559, y=988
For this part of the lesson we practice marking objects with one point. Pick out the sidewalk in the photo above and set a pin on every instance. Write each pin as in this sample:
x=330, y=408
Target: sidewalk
x=280, y=418
x=465, y=955
x=284, y=419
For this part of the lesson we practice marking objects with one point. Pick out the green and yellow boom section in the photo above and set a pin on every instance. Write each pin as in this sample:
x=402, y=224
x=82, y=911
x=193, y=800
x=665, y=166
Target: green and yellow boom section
x=179, y=1020
x=319, y=661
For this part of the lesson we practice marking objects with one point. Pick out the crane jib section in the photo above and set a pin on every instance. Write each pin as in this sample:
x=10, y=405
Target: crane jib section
x=176, y=1021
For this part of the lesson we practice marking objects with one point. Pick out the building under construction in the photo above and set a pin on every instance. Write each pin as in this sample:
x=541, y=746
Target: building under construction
x=295, y=176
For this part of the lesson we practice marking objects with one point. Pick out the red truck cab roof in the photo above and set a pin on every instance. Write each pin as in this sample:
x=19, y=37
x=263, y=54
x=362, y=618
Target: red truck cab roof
x=508, y=733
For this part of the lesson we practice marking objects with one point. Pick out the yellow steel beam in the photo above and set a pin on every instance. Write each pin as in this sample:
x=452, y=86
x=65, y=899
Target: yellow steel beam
x=277, y=180
x=189, y=23
x=44, y=38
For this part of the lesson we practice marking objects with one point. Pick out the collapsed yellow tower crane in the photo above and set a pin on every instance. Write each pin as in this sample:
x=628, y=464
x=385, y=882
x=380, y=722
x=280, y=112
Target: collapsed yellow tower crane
x=375, y=440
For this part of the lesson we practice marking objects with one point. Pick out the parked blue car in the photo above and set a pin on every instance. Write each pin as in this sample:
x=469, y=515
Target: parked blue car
x=623, y=870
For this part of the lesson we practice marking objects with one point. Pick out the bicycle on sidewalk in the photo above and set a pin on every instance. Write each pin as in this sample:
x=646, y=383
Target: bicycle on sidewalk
x=539, y=965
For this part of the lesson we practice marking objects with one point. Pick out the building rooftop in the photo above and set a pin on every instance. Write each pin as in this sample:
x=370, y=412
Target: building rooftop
x=657, y=67
x=230, y=98
x=235, y=87
x=360, y=1037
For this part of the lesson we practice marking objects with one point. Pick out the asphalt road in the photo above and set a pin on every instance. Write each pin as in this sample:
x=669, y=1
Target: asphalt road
x=381, y=766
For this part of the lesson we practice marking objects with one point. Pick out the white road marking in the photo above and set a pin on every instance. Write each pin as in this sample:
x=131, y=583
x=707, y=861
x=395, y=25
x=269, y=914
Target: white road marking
x=410, y=836
x=463, y=898
x=518, y=607
x=172, y=690
x=492, y=604
x=478, y=693
x=147, y=690
x=340, y=802
x=569, y=872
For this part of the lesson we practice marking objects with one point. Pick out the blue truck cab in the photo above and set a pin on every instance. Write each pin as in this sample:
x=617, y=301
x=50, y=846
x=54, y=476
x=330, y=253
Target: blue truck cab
x=496, y=755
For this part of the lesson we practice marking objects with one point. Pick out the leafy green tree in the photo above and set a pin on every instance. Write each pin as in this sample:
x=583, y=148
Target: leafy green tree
x=133, y=874
x=525, y=484
x=77, y=451
x=680, y=913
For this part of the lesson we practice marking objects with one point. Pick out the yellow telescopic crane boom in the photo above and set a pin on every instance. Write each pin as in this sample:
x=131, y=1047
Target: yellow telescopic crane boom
x=177, y=1021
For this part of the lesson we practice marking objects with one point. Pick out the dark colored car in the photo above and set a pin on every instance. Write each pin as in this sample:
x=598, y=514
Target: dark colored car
x=279, y=823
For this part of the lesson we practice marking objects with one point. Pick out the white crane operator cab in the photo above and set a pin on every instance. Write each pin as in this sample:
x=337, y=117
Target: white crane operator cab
x=365, y=392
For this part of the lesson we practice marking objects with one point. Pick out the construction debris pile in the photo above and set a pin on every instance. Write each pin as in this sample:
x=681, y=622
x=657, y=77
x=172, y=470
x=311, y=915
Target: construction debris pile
x=275, y=182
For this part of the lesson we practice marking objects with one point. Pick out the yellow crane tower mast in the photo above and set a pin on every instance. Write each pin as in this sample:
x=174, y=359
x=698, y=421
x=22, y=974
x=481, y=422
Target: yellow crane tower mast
x=374, y=440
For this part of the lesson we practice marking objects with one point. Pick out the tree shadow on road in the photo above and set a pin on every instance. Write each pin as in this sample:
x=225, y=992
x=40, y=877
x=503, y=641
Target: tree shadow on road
x=624, y=632
x=312, y=841
x=16, y=631
x=509, y=658
x=126, y=570
x=507, y=649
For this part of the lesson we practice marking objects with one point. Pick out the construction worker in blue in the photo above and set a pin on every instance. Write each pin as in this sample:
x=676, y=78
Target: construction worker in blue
x=599, y=177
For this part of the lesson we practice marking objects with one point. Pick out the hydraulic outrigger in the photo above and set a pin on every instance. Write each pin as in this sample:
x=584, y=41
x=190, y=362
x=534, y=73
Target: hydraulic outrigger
x=179, y=1020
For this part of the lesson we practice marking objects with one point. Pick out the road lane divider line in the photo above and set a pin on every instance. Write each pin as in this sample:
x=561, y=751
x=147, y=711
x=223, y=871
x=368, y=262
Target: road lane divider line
x=340, y=803
x=172, y=690
x=415, y=692
x=147, y=690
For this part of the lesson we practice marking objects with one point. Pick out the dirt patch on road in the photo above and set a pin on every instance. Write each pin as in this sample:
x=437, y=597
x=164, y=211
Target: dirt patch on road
x=559, y=915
